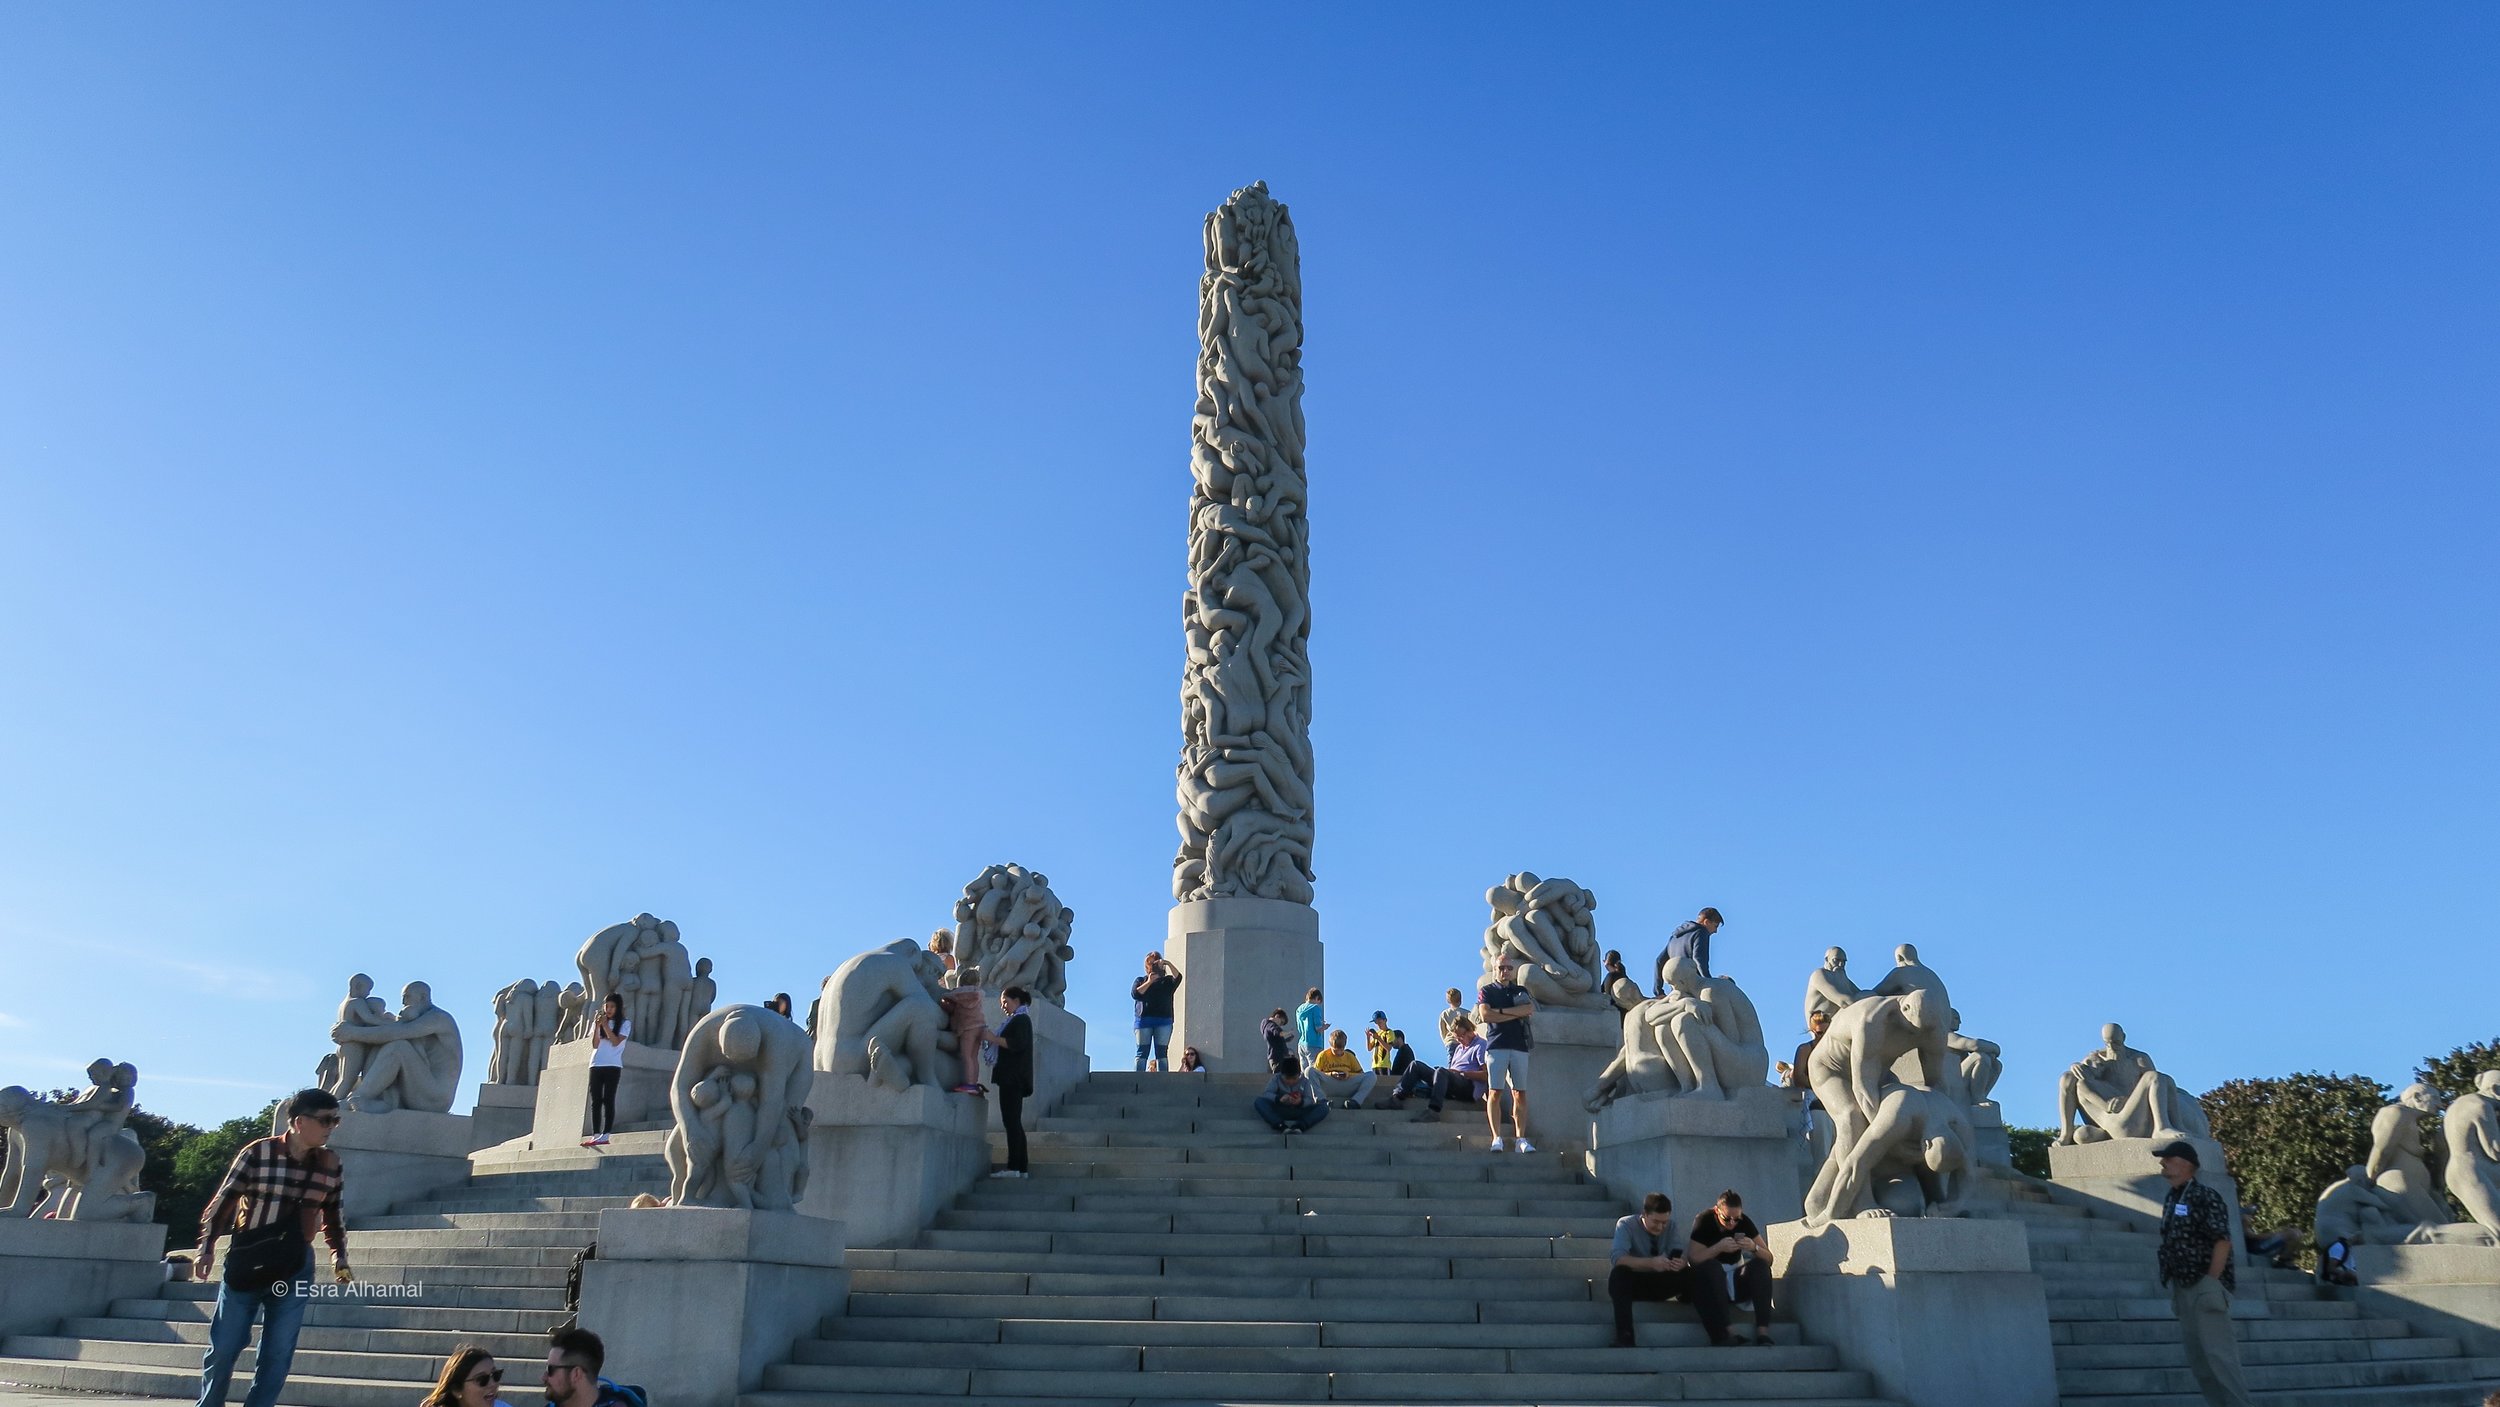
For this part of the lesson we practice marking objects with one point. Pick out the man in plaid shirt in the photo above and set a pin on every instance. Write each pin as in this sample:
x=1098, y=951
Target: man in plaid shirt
x=272, y=1179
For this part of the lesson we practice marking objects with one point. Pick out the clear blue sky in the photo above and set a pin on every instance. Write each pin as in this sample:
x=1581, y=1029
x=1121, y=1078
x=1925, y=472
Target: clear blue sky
x=2019, y=480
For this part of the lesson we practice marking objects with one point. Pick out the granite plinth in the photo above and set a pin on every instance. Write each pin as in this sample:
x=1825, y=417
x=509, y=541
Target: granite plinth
x=503, y=1113
x=563, y=1109
x=1239, y=959
x=398, y=1156
x=884, y=1162
x=1693, y=1148
x=2445, y=1291
x=56, y=1270
x=2121, y=1176
x=1574, y=1045
x=1939, y=1311
x=756, y=1282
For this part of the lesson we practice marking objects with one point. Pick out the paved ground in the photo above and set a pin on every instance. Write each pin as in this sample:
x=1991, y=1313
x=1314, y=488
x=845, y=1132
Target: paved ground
x=45, y=1397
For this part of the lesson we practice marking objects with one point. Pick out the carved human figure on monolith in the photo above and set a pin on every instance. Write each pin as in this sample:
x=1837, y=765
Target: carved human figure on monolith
x=339, y=1071
x=881, y=1018
x=1550, y=927
x=1714, y=1037
x=1977, y=1064
x=744, y=1145
x=635, y=960
x=2472, y=1126
x=1914, y=1158
x=2399, y=1163
x=1867, y=1042
x=415, y=1059
x=572, y=1025
x=1009, y=925
x=2115, y=1092
x=1829, y=989
x=516, y=1012
x=546, y=1015
x=703, y=992
x=1910, y=975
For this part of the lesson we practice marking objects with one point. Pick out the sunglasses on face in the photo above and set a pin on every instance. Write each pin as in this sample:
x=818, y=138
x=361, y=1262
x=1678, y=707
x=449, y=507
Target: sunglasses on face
x=493, y=1379
x=325, y=1120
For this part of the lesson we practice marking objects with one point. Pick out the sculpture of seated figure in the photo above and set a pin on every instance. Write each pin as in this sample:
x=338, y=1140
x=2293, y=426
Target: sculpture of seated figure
x=2399, y=1164
x=2354, y=1211
x=1915, y=1158
x=1828, y=988
x=2118, y=1094
x=339, y=1071
x=1909, y=975
x=881, y=1018
x=1977, y=1066
x=2472, y=1127
x=754, y=1125
x=415, y=1062
x=1714, y=1039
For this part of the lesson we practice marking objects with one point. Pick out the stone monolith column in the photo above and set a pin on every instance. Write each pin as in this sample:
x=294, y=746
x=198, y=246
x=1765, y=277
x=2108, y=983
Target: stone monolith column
x=1243, y=933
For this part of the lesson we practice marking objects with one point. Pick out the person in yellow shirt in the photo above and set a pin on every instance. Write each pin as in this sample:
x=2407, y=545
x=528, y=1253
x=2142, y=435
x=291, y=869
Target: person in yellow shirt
x=1340, y=1073
x=1381, y=1041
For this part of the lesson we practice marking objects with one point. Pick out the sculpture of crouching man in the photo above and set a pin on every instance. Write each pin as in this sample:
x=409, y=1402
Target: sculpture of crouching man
x=739, y=1098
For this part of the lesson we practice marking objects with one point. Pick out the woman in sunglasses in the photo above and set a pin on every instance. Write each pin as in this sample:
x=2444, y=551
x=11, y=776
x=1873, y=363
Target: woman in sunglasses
x=471, y=1379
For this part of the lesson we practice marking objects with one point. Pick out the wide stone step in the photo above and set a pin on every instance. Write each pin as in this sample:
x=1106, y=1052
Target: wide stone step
x=434, y=1317
x=1342, y=1358
x=1257, y=1224
x=1559, y=1285
x=1315, y=1266
x=523, y=1343
x=2160, y=1382
x=1733, y=1384
x=2166, y=1330
x=386, y=1367
x=468, y=1203
x=1183, y=1245
x=1302, y=1156
x=884, y=1399
x=2271, y=1352
x=520, y=1236
x=1655, y=1325
x=303, y=1388
x=435, y=1292
x=2420, y=1395
x=584, y=1224
x=1037, y=1196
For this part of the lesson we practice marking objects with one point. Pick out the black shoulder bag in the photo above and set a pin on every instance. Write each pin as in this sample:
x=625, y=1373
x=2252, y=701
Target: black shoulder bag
x=264, y=1255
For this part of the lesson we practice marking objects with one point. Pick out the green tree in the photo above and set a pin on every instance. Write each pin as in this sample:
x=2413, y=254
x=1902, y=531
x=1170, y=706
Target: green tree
x=200, y=1164
x=2031, y=1149
x=2453, y=1074
x=2289, y=1137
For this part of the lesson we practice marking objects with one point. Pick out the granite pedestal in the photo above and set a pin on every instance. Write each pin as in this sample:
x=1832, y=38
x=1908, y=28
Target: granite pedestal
x=2121, y=1176
x=503, y=1112
x=563, y=1109
x=56, y=1270
x=1693, y=1149
x=1996, y=1147
x=1239, y=959
x=1573, y=1047
x=884, y=1162
x=396, y=1156
x=2445, y=1291
x=1940, y=1312
x=694, y=1303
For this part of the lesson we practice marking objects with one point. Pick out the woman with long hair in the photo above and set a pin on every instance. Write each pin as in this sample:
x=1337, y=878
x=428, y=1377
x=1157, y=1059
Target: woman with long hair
x=607, y=1067
x=471, y=1378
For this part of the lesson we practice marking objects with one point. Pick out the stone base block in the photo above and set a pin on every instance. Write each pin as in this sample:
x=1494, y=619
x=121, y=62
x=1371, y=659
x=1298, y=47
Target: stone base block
x=563, y=1109
x=1996, y=1147
x=1693, y=1149
x=883, y=1162
x=2446, y=1291
x=1239, y=959
x=398, y=1156
x=1573, y=1048
x=2121, y=1176
x=1939, y=1312
x=56, y=1270
x=695, y=1302
x=503, y=1113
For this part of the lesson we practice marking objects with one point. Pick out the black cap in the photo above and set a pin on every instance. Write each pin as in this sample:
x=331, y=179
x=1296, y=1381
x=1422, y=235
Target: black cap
x=2179, y=1148
x=1380, y=1016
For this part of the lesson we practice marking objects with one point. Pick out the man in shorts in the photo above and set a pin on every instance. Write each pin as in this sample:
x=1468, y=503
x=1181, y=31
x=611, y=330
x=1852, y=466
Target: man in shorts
x=1505, y=1006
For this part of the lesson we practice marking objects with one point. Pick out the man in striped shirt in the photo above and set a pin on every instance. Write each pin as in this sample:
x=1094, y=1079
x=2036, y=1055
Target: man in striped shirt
x=285, y=1188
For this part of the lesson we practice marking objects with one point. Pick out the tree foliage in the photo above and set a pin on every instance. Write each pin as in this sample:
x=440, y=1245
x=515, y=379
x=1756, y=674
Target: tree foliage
x=2289, y=1137
x=2031, y=1150
x=2453, y=1074
x=184, y=1162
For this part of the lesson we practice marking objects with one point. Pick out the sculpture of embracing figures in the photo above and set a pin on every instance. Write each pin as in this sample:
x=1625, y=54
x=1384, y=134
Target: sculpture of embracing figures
x=644, y=961
x=386, y=1062
x=739, y=1098
x=1010, y=926
x=1550, y=926
x=77, y=1154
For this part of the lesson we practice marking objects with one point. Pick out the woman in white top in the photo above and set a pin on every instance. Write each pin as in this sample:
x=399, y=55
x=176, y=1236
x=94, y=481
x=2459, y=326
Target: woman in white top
x=607, y=1066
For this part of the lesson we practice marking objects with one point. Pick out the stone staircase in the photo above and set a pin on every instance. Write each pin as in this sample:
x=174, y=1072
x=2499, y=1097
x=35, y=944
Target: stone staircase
x=2117, y=1344
x=483, y=1262
x=1169, y=1249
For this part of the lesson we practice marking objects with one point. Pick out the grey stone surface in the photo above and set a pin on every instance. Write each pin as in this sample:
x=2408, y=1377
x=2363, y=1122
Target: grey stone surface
x=645, y=961
x=1915, y=1158
x=395, y=1156
x=1829, y=988
x=2115, y=1092
x=1013, y=930
x=1694, y=1149
x=1549, y=926
x=409, y=1061
x=755, y=1281
x=1703, y=1039
x=1244, y=957
x=886, y=1160
x=2121, y=1178
x=882, y=1019
x=2399, y=1162
x=1245, y=768
x=519, y=1049
x=1574, y=1046
x=738, y=1099
x=54, y=1270
x=75, y=1160
x=563, y=1111
x=1870, y=1044
x=502, y=1113
x=2472, y=1129
x=1938, y=1313
x=1975, y=1066
x=2451, y=1290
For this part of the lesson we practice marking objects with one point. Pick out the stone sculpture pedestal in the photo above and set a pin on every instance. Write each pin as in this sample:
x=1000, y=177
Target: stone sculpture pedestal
x=1060, y=1063
x=503, y=1113
x=398, y=1156
x=2450, y=1291
x=695, y=1302
x=2122, y=1175
x=1693, y=1149
x=1573, y=1047
x=563, y=1111
x=1940, y=1312
x=882, y=1163
x=1240, y=959
x=56, y=1270
x=1987, y=1124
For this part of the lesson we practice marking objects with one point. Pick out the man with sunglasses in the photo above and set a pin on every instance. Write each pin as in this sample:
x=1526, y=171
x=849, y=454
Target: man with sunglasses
x=574, y=1358
x=276, y=1194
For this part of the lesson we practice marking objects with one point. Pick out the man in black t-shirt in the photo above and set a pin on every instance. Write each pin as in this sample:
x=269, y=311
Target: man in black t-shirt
x=1726, y=1245
x=1505, y=1007
x=1152, y=994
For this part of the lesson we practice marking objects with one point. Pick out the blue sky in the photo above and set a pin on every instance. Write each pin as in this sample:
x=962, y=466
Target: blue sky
x=2019, y=481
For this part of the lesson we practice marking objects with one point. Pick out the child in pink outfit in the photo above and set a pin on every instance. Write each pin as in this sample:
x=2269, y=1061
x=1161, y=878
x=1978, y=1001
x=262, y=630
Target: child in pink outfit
x=963, y=1017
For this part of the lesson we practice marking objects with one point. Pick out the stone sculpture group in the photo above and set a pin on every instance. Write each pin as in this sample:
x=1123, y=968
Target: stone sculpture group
x=1244, y=778
x=75, y=1160
x=1550, y=927
x=739, y=1101
x=1701, y=1040
x=882, y=1019
x=1014, y=932
x=666, y=992
x=530, y=1017
x=385, y=1062
x=2115, y=1092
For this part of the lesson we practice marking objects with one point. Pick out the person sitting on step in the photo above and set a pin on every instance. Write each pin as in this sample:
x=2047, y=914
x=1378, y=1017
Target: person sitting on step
x=1291, y=1103
x=1340, y=1073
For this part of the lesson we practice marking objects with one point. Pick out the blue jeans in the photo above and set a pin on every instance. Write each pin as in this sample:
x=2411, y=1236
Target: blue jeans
x=1303, y=1116
x=230, y=1329
x=1157, y=1037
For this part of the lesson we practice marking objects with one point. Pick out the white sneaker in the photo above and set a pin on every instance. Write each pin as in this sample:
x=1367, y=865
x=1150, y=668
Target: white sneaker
x=1497, y=1143
x=1526, y=1147
x=1005, y=1172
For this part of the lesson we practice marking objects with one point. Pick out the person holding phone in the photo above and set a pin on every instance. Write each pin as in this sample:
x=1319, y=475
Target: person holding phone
x=1731, y=1266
